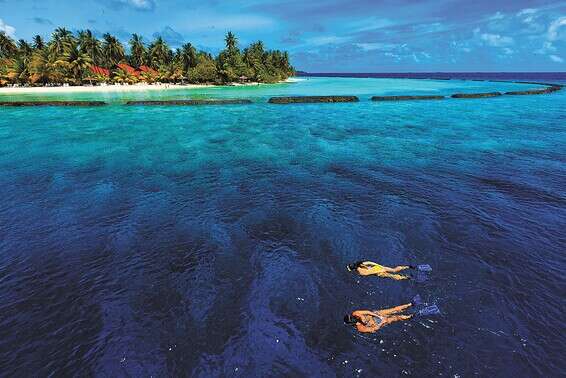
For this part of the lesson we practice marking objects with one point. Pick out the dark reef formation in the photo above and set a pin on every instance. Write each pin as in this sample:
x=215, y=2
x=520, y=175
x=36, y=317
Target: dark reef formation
x=312, y=99
x=406, y=98
x=551, y=89
x=477, y=95
x=192, y=102
x=52, y=103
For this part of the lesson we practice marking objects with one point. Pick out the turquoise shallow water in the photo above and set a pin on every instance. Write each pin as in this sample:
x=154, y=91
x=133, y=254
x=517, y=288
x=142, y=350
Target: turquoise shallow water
x=364, y=88
x=212, y=240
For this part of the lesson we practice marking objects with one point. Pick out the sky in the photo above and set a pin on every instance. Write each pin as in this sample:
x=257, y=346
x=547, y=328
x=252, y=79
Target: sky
x=329, y=35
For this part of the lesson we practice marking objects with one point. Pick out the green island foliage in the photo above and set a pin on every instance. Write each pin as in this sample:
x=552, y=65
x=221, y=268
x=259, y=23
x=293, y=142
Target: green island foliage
x=81, y=58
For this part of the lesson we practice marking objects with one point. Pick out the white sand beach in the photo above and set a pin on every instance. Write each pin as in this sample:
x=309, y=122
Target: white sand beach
x=118, y=88
x=106, y=88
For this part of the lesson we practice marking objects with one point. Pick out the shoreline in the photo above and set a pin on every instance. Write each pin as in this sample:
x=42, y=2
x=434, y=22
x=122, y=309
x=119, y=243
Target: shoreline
x=124, y=88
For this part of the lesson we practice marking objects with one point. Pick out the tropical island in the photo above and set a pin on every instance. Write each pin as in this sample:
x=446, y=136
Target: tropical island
x=82, y=59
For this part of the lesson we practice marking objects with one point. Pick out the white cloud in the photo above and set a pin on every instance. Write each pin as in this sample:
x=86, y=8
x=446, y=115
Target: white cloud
x=554, y=32
x=497, y=16
x=142, y=4
x=496, y=40
x=527, y=11
x=371, y=23
x=326, y=40
x=9, y=30
x=372, y=46
x=394, y=56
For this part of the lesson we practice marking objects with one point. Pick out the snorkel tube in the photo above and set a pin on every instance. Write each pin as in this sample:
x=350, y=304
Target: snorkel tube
x=350, y=320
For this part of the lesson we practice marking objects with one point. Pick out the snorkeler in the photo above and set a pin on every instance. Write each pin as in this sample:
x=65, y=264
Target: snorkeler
x=372, y=321
x=368, y=268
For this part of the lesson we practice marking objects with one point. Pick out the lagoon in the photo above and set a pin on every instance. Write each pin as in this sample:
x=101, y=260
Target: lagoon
x=213, y=241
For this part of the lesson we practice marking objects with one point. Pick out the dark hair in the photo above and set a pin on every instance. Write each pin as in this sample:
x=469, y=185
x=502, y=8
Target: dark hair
x=350, y=320
x=355, y=265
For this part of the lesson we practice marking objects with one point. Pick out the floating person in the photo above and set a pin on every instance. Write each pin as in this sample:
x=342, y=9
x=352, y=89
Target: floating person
x=369, y=268
x=372, y=321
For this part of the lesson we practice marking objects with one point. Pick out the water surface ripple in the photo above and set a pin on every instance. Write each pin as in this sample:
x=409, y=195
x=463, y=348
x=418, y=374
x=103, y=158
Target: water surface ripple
x=212, y=241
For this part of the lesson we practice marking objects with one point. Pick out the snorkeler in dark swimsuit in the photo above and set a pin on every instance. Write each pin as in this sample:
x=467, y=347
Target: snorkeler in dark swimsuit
x=372, y=321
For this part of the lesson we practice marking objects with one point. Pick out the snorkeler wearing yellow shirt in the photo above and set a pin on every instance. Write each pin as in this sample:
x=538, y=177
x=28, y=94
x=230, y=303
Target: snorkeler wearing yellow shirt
x=368, y=268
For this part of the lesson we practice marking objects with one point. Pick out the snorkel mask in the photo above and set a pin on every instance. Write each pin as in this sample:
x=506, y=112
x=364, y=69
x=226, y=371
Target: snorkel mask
x=354, y=266
x=350, y=320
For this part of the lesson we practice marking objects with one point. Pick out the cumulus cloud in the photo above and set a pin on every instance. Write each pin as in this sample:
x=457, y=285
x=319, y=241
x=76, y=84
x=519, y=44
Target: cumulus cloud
x=9, y=30
x=496, y=40
x=556, y=59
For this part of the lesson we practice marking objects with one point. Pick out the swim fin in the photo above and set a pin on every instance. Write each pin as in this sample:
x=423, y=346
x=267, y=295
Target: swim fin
x=424, y=268
x=429, y=310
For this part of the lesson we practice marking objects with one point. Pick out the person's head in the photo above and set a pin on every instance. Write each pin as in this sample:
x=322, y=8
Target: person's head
x=354, y=266
x=350, y=320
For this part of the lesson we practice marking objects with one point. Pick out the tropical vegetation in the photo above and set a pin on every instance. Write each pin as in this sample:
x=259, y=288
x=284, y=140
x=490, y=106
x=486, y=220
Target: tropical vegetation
x=82, y=58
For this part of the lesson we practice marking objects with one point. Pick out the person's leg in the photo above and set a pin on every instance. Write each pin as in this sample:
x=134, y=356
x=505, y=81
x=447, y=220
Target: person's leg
x=397, y=318
x=398, y=269
x=396, y=277
x=394, y=310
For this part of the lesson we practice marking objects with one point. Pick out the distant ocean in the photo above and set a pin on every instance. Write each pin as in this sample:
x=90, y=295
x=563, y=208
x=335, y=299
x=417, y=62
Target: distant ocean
x=552, y=76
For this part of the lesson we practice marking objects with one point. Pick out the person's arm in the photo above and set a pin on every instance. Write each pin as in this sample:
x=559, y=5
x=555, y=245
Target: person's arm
x=360, y=313
x=365, y=329
x=369, y=264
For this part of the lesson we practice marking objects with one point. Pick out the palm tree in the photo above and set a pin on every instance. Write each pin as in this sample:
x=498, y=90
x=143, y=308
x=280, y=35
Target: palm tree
x=61, y=40
x=123, y=77
x=8, y=47
x=75, y=62
x=18, y=71
x=230, y=60
x=187, y=57
x=24, y=48
x=62, y=33
x=148, y=77
x=137, y=51
x=43, y=67
x=231, y=41
x=90, y=45
x=66, y=57
x=38, y=43
x=113, y=50
x=159, y=53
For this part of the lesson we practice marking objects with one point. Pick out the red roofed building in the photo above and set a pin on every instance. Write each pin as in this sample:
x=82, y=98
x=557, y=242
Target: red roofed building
x=129, y=69
x=149, y=70
x=100, y=71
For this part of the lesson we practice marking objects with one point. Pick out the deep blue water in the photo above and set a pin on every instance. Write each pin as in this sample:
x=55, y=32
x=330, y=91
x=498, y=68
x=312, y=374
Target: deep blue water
x=212, y=241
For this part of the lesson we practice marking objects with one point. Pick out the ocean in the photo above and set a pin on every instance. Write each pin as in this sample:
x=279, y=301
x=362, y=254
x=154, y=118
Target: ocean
x=213, y=241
